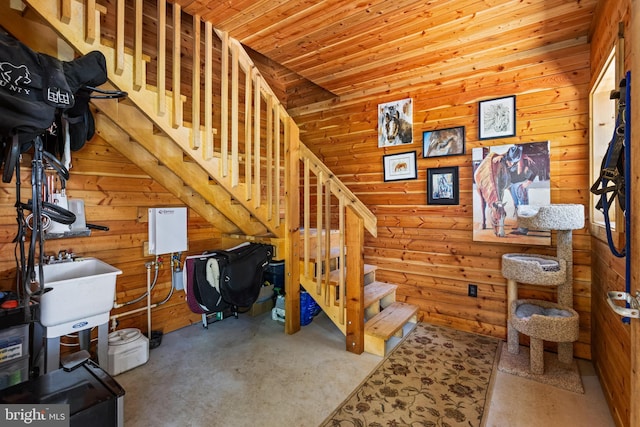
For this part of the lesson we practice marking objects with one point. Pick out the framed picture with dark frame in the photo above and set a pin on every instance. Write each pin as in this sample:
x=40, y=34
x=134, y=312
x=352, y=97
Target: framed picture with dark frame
x=442, y=186
x=497, y=118
x=400, y=166
x=443, y=142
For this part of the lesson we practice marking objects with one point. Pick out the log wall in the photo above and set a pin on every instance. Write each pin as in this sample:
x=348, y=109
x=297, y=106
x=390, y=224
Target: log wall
x=117, y=194
x=429, y=250
x=611, y=338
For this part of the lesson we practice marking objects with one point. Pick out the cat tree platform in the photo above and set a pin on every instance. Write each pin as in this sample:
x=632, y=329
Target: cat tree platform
x=539, y=270
x=543, y=321
x=552, y=217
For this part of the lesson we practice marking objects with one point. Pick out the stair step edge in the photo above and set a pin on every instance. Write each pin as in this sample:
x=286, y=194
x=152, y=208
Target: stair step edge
x=333, y=274
x=390, y=320
x=375, y=291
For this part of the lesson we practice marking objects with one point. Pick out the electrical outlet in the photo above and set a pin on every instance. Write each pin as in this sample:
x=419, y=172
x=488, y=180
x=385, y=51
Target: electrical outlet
x=473, y=290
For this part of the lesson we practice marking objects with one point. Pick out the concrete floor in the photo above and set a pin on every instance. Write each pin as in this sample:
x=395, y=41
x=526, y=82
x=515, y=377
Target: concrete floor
x=247, y=372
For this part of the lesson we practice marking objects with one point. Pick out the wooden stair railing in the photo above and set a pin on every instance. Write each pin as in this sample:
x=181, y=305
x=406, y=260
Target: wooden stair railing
x=82, y=30
x=384, y=317
x=258, y=165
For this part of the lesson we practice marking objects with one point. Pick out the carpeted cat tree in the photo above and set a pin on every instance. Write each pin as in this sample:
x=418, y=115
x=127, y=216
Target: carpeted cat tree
x=538, y=319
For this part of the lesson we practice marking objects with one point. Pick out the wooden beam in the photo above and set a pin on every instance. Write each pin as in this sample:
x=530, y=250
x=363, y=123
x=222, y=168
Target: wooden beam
x=292, y=224
x=235, y=176
x=91, y=29
x=162, y=57
x=355, y=281
x=177, y=99
x=207, y=152
x=307, y=216
x=319, y=212
x=224, y=102
x=65, y=11
x=248, y=85
x=277, y=141
x=195, y=84
x=257, y=97
x=119, y=37
x=139, y=66
x=269, y=159
x=341, y=259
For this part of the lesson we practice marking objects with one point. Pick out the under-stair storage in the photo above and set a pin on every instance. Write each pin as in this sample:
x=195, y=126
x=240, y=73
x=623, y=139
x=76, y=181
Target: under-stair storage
x=241, y=167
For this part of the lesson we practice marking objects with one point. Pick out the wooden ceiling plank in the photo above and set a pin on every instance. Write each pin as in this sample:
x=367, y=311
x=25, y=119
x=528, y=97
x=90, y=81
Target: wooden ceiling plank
x=296, y=20
x=445, y=59
x=474, y=30
x=369, y=30
x=350, y=26
x=245, y=11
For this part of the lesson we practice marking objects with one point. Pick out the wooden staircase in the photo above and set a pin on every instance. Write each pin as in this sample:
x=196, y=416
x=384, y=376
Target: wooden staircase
x=256, y=179
x=384, y=317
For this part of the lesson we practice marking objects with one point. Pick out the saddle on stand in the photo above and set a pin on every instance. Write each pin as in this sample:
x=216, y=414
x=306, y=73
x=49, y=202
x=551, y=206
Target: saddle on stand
x=225, y=280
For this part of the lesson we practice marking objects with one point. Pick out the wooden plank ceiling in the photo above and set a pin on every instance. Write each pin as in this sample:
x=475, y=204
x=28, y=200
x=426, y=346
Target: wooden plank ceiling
x=351, y=48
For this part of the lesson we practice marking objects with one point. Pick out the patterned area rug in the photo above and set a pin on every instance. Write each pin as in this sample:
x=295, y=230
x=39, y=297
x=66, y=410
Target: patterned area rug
x=436, y=376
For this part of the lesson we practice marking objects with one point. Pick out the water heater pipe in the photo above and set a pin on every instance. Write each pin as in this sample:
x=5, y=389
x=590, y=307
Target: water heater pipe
x=148, y=308
x=149, y=301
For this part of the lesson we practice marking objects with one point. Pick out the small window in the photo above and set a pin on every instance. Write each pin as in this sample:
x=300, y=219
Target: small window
x=602, y=124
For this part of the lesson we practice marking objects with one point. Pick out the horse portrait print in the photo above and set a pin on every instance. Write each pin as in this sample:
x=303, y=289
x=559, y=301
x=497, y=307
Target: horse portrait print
x=400, y=166
x=497, y=118
x=395, y=123
x=507, y=178
x=443, y=142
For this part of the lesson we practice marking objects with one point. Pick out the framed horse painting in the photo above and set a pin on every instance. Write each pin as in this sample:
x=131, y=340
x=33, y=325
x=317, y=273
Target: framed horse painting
x=442, y=186
x=507, y=178
x=400, y=166
x=497, y=118
x=395, y=123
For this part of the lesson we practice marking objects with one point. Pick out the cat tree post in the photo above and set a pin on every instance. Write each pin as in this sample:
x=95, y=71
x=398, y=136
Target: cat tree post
x=565, y=292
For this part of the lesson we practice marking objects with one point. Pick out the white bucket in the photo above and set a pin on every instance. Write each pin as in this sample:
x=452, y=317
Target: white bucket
x=128, y=349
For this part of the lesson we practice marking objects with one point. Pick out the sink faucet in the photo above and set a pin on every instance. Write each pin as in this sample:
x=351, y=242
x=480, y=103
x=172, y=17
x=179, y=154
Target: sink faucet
x=63, y=256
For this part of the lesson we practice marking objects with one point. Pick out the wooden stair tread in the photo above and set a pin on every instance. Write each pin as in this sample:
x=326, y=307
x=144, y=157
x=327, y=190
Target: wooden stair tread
x=375, y=291
x=390, y=320
x=334, y=274
x=334, y=253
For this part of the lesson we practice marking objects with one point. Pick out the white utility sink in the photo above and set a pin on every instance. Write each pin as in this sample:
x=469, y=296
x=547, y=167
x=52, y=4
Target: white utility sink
x=81, y=295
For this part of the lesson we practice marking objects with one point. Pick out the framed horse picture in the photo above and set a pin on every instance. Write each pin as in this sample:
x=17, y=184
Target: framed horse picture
x=400, y=166
x=497, y=118
x=442, y=186
x=395, y=123
x=505, y=178
x=443, y=142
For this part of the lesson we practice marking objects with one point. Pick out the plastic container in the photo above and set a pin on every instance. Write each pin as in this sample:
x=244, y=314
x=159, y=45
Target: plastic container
x=277, y=312
x=308, y=308
x=128, y=349
x=274, y=275
x=13, y=343
x=14, y=372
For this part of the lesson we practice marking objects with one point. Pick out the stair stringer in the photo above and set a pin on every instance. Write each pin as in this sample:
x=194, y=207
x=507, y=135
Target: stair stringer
x=186, y=180
x=146, y=100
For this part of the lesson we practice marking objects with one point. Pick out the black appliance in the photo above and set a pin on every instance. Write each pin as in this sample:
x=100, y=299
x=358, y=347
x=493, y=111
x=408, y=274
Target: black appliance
x=95, y=399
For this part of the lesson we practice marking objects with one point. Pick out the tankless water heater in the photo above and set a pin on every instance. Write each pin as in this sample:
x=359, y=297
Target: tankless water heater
x=167, y=230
